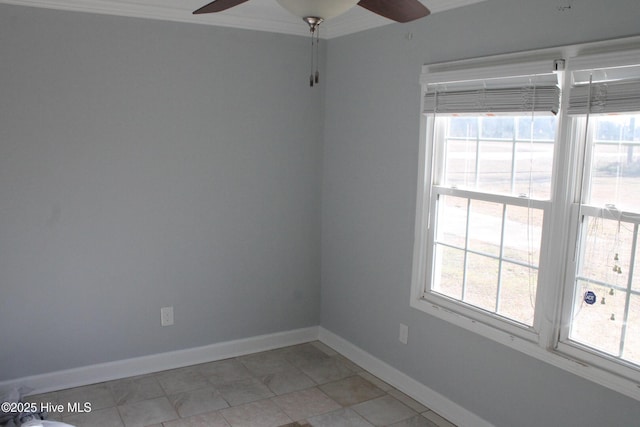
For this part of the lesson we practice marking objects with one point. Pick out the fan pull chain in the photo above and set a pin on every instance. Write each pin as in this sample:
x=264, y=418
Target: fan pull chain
x=312, y=47
x=317, y=76
x=315, y=52
x=314, y=27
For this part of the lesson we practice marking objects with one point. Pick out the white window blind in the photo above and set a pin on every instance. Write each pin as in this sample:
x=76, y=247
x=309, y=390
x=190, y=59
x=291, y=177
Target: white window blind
x=605, y=90
x=520, y=214
x=539, y=93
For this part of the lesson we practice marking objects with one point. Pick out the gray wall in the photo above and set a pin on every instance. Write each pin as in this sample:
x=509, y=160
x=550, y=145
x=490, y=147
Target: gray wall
x=145, y=164
x=369, y=184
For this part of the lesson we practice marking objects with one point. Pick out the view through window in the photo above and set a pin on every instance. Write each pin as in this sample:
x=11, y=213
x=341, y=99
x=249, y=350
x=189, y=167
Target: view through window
x=487, y=248
x=608, y=258
x=528, y=213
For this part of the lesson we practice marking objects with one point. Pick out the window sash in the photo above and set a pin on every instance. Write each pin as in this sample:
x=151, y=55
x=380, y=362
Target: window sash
x=499, y=319
x=583, y=139
x=582, y=352
x=548, y=339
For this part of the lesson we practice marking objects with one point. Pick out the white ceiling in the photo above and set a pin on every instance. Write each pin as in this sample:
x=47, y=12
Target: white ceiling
x=264, y=15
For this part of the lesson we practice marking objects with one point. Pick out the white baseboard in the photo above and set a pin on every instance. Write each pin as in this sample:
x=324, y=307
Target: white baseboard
x=418, y=391
x=92, y=374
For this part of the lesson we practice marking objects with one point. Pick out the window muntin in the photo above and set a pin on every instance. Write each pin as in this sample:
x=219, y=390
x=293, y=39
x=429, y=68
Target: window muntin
x=500, y=154
x=487, y=235
x=486, y=255
x=606, y=291
x=585, y=161
x=615, y=164
x=606, y=273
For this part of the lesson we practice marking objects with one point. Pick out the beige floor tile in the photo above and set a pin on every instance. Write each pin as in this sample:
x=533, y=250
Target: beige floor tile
x=197, y=402
x=265, y=363
x=108, y=417
x=340, y=418
x=306, y=385
x=97, y=395
x=306, y=403
x=245, y=391
x=324, y=348
x=51, y=398
x=211, y=419
x=384, y=411
x=327, y=370
x=135, y=389
x=180, y=380
x=303, y=353
x=263, y=413
x=224, y=371
x=351, y=390
x=147, y=412
x=287, y=381
x=375, y=381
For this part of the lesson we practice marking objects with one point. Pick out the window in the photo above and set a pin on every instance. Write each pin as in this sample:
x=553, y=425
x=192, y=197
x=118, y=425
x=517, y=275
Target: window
x=527, y=214
x=603, y=314
x=488, y=229
x=492, y=143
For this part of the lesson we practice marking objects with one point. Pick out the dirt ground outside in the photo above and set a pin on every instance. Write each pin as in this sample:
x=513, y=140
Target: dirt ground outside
x=508, y=288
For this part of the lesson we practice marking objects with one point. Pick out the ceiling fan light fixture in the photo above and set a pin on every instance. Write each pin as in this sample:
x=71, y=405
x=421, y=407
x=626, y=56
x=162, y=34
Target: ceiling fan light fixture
x=315, y=12
x=325, y=9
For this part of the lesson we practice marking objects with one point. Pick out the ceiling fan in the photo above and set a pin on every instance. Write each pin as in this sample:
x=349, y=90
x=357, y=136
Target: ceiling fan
x=314, y=12
x=396, y=10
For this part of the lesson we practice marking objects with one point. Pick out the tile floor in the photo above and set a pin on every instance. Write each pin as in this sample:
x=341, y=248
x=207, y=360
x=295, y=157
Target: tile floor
x=303, y=385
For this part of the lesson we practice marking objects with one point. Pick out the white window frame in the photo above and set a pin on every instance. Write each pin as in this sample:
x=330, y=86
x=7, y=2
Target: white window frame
x=546, y=339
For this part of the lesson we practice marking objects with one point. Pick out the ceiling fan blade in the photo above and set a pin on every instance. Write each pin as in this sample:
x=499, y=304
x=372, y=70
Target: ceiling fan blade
x=396, y=10
x=218, y=6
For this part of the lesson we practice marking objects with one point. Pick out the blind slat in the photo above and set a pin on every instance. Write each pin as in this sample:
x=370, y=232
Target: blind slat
x=494, y=100
x=606, y=97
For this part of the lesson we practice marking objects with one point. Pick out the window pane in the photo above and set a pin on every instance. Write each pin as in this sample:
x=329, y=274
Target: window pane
x=534, y=162
x=482, y=282
x=615, y=175
x=605, y=278
x=475, y=264
x=461, y=151
x=598, y=325
x=485, y=227
x=632, y=336
x=518, y=292
x=449, y=274
x=452, y=230
x=498, y=127
x=501, y=154
x=495, y=166
x=523, y=234
x=606, y=251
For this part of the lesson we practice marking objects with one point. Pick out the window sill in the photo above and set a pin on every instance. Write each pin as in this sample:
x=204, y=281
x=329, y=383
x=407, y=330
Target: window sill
x=531, y=347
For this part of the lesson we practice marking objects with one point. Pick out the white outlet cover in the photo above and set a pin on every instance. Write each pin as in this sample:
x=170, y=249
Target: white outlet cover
x=404, y=334
x=166, y=316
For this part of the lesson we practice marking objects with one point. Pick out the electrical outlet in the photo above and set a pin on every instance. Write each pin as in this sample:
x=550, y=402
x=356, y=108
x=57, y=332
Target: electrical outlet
x=166, y=316
x=404, y=334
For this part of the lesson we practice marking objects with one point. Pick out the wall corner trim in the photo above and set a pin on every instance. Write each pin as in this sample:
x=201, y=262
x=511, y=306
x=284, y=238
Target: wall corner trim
x=416, y=390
